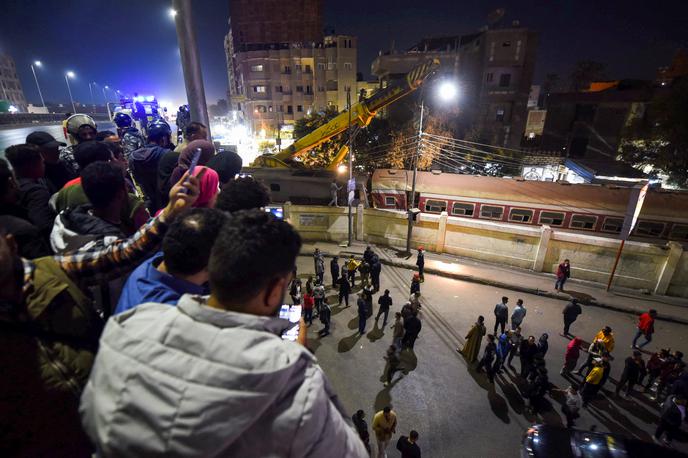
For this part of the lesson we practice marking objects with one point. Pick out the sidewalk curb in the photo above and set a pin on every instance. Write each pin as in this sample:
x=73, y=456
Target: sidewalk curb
x=499, y=284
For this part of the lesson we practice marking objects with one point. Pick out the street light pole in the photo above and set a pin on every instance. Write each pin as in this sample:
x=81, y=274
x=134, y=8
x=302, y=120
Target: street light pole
x=67, y=76
x=351, y=172
x=93, y=101
x=415, y=172
x=38, y=64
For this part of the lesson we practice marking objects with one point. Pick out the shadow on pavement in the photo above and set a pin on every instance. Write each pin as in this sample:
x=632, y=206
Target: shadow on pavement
x=498, y=405
x=313, y=344
x=347, y=343
x=582, y=297
x=409, y=360
x=376, y=333
x=353, y=323
x=384, y=397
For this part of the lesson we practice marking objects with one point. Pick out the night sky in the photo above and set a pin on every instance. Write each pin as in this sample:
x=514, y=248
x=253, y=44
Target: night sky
x=131, y=44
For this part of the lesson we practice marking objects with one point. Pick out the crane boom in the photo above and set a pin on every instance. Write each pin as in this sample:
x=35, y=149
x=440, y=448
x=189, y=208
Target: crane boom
x=361, y=114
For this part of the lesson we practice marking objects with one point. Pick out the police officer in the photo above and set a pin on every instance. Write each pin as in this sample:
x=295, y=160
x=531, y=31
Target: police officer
x=143, y=163
x=80, y=128
x=130, y=135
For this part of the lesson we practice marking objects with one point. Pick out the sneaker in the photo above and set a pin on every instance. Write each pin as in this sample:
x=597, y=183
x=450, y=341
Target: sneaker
x=386, y=384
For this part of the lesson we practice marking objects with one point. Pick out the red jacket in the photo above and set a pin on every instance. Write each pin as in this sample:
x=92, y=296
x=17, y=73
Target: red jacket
x=308, y=301
x=573, y=349
x=563, y=271
x=646, y=323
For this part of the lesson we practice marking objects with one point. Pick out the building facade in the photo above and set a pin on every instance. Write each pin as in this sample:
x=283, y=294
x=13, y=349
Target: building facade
x=11, y=86
x=494, y=69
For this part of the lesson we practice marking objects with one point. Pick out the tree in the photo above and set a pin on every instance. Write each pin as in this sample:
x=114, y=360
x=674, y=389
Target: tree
x=321, y=155
x=585, y=72
x=659, y=140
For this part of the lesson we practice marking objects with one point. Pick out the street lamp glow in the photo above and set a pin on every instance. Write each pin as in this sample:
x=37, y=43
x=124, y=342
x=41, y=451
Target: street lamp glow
x=71, y=74
x=37, y=63
x=172, y=12
x=448, y=91
x=107, y=87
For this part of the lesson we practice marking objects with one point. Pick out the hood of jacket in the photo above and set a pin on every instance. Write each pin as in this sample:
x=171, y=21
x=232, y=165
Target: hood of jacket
x=196, y=381
x=77, y=228
x=148, y=155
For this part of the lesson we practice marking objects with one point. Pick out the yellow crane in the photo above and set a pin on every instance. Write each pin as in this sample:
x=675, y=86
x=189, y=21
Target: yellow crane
x=361, y=115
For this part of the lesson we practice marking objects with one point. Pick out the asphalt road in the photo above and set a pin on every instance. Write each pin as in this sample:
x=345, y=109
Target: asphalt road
x=456, y=411
x=10, y=135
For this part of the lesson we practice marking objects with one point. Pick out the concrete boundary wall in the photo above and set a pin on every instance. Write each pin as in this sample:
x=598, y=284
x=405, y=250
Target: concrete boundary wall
x=658, y=268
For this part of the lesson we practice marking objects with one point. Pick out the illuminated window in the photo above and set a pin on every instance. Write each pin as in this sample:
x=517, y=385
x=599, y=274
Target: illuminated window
x=612, y=225
x=585, y=222
x=259, y=89
x=679, y=232
x=491, y=212
x=435, y=206
x=500, y=115
x=257, y=68
x=649, y=228
x=390, y=201
x=462, y=209
x=552, y=218
x=520, y=215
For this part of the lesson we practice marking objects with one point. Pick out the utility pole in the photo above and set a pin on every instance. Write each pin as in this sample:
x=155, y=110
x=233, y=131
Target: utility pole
x=71, y=99
x=349, y=193
x=37, y=85
x=93, y=101
x=415, y=172
x=191, y=63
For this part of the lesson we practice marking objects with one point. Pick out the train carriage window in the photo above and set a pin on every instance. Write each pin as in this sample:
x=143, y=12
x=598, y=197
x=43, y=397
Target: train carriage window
x=552, y=218
x=437, y=206
x=390, y=201
x=462, y=209
x=520, y=215
x=491, y=212
x=679, y=232
x=586, y=222
x=612, y=225
x=649, y=228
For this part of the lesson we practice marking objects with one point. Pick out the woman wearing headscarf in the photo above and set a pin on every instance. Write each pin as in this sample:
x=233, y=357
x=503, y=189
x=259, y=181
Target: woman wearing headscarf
x=208, y=188
x=184, y=162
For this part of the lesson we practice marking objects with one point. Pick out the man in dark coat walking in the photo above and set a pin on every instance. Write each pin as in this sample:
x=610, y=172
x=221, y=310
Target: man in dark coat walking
x=334, y=270
x=420, y=262
x=375, y=269
x=570, y=312
x=412, y=326
x=362, y=313
x=670, y=419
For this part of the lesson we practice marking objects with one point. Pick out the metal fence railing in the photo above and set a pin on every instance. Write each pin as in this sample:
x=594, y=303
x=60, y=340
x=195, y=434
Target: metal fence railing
x=41, y=118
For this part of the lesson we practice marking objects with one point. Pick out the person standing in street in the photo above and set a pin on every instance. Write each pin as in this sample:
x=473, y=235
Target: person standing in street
x=407, y=445
x=375, y=269
x=543, y=344
x=334, y=270
x=515, y=339
x=571, y=356
x=633, y=372
x=384, y=426
x=592, y=381
x=563, y=274
x=570, y=312
x=385, y=302
x=295, y=291
x=415, y=284
x=527, y=355
x=334, y=190
x=398, y=331
x=572, y=405
x=646, y=327
x=670, y=420
x=351, y=266
x=391, y=366
x=361, y=426
x=501, y=352
x=595, y=350
x=308, y=308
x=325, y=316
x=412, y=326
x=318, y=296
x=474, y=339
x=501, y=312
x=420, y=262
x=518, y=314
x=362, y=313
x=607, y=337
x=488, y=358
x=319, y=262
x=344, y=290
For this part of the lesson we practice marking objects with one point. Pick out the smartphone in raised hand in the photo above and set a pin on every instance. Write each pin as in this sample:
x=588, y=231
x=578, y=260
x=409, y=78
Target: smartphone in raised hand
x=194, y=162
x=293, y=314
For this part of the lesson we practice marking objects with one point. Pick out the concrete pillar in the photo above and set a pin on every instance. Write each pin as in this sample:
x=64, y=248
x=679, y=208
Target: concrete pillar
x=441, y=233
x=286, y=208
x=669, y=267
x=545, y=235
x=359, y=222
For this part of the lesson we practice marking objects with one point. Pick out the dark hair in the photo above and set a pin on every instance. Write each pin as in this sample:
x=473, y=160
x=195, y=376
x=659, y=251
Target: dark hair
x=5, y=177
x=252, y=249
x=386, y=291
x=413, y=435
x=519, y=302
x=481, y=318
x=115, y=148
x=387, y=409
x=243, y=193
x=89, y=152
x=504, y=298
x=193, y=128
x=606, y=330
x=102, y=181
x=188, y=242
x=636, y=353
x=103, y=134
x=21, y=156
x=678, y=354
x=653, y=312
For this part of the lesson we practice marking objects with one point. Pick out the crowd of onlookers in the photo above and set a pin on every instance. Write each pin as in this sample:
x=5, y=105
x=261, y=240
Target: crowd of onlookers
x=139, y=300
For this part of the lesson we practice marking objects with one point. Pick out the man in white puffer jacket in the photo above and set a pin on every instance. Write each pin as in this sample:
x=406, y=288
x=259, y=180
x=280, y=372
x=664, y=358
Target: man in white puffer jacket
x=212, y=376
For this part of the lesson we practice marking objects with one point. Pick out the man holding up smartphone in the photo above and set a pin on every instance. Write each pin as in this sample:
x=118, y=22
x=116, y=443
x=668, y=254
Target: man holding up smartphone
x=223, y=355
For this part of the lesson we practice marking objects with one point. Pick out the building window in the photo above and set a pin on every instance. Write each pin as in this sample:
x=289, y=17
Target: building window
x=299, y=108
x=261, y=108
x=299, y=88
x=270, y=109
x=649, y=228
x=297, y=67
x=489, y=77
x=321, y=88
x=347, y=65
x=280, y=108
x=500, y=115
x=679, y=232
x=506, y=44
x=259, y=89
x=491, y=212
x=520, y=215
x=290, y=109
x=309, y=89
x=612, y=225
x=257, y=68
x=552, y=218
x=435, y=206
x=309, y=69
x=390, y=201
x=331, y=65
x=461, y=209
x=287, y=70
x=278, y=88
x=321, y=65
x=504, y=79
x=585, y=222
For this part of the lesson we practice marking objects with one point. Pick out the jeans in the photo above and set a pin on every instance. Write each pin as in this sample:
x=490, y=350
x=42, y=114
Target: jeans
x=308, y=316
x=567, y=325
x=397, y=343
x=514, y=325
x=320, y=276
x=380, y=312
x=648, y=338
x=345, y=297
x=352, y=277
x=361, y=323
x=499, y=322
x=665, y=427
x=318, y=305
x=421, y=272
x=559, y=284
